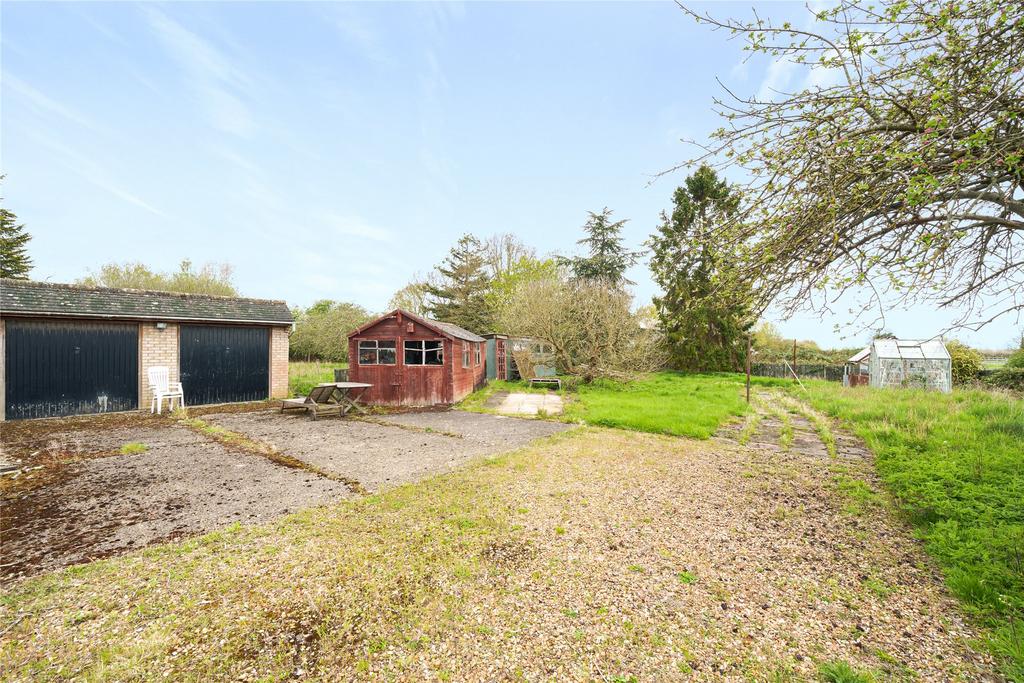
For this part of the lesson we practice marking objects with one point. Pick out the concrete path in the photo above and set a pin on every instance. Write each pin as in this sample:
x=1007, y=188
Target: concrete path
x=525, y=404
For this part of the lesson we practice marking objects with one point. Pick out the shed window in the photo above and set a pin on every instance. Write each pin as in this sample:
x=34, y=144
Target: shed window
x=465, y=355
x=477, y=353
x=376, y=351
x=424, y=352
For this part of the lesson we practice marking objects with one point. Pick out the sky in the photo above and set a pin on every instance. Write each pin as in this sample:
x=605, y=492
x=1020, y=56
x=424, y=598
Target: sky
x=335, y=150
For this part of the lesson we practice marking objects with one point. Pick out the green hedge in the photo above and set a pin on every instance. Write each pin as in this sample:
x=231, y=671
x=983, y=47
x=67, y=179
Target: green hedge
x=1006, y=378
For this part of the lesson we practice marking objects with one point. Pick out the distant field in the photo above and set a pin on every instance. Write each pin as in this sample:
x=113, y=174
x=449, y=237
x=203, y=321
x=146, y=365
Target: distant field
x=955, y=464
x=303, y=376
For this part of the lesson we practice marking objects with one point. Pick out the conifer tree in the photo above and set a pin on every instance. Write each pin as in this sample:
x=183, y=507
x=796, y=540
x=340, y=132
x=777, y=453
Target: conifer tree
x=460, y=295
x=703, y=311
x=607, y=258
x=14, y=259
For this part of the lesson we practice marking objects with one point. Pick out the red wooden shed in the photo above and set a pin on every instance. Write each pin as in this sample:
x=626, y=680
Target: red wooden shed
x=415, y=361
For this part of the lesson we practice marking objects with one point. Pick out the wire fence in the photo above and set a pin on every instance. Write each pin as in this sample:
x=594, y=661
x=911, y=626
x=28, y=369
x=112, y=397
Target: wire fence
x=832, y=373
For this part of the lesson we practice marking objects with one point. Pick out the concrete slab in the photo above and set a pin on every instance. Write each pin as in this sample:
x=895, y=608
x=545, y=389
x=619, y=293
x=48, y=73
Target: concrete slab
x=516, y=403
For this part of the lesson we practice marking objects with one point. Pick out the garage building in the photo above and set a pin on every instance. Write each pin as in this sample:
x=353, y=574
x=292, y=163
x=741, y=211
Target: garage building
x=72, y=350
x=415, y=361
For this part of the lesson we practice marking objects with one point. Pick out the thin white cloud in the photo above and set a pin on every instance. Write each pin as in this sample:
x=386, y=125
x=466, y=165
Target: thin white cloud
x=95, y=174
x=42, y=102
x=777, y=79
x=820, y=77
x=740, y=71
x=216, y=80
x=358, y=33
x=348, y=226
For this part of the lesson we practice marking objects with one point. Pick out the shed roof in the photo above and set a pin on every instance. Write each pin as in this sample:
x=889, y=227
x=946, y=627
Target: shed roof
x=910, y=349
x=860, y=356
x=447, y=329
x=76, y=301
x=456, y=331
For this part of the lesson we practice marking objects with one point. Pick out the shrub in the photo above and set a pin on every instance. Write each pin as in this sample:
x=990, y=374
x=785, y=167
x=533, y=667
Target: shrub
x=571, y=383
x=1016, y=359
x=1007, y=377
x=966, y=362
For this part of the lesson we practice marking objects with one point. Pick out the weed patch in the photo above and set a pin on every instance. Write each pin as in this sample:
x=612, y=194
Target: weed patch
x=957, y=473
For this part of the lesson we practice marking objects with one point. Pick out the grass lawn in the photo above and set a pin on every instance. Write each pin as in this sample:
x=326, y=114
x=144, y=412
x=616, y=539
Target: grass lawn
x=662, y=403
x=303, y=376
x=955, y=464
x=593, y=555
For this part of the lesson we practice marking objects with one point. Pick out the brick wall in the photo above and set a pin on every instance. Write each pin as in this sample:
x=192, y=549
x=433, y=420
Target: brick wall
x=156, y=348
x=278, y=362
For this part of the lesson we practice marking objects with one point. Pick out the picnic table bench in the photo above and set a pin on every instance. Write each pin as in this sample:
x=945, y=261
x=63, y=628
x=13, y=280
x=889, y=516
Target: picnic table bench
x=329, y=398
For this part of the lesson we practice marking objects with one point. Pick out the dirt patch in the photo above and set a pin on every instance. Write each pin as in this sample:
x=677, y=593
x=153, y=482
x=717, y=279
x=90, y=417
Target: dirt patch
x=182, y=485
x=392, y=449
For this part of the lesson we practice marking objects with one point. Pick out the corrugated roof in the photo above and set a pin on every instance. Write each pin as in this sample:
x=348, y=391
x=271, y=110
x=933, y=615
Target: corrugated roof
x=76, y=301
x=910, y=349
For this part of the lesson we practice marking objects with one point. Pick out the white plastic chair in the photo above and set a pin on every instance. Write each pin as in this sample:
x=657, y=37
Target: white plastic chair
x=162, y=387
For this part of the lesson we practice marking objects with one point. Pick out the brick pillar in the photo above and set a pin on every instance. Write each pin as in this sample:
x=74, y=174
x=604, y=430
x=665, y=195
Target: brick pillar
x=156, y=348
x=278, y=362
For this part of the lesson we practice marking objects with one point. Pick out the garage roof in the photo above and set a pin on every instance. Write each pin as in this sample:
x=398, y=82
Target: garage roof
x=22, y=297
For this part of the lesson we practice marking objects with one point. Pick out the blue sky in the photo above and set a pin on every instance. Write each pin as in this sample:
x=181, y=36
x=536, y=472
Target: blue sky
x=333, y=150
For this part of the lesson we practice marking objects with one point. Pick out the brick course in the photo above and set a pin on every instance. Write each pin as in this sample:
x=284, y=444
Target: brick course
x=278, y=362
x=156, y=348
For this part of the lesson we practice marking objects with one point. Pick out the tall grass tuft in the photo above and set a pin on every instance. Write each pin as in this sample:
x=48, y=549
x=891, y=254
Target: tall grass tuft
x=955, y=465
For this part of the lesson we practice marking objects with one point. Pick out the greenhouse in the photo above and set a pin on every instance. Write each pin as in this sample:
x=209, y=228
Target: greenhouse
x=911, y=363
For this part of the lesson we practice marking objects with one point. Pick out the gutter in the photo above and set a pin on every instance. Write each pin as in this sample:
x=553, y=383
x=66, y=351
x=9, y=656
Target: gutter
x=157, y=318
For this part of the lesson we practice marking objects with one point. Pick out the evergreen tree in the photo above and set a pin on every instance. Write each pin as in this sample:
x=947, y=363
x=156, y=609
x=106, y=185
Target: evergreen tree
x=14, y=261
x=607, y=258
x=460, y=296
x=704, y=310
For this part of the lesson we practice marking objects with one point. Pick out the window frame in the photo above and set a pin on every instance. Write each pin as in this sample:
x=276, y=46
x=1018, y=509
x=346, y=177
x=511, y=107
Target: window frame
x=423, y=351
x=465, y=355
x=476, y=353
x=376, y=348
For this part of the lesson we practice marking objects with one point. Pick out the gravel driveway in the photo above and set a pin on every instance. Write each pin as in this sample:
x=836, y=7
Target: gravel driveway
x=86, y=500
x=184, y=484
x=393, y=449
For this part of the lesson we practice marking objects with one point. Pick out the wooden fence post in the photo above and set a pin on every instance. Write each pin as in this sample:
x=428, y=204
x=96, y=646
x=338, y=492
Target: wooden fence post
x=748, y=368
x=794, y=357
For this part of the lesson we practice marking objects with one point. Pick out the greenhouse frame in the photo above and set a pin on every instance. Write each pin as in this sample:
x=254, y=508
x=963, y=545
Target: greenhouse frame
x=911, y=363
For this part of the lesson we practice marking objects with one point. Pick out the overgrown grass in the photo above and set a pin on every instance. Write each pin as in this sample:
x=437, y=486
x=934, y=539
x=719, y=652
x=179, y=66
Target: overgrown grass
x=842, y=672
x=674, y=403
x=303, y=376
x=955, y=465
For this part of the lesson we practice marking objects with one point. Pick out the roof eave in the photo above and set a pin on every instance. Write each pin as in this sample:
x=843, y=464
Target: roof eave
x=126, y=317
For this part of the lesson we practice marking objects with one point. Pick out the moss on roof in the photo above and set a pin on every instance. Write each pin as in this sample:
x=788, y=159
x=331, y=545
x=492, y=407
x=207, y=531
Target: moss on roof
x=47, y=298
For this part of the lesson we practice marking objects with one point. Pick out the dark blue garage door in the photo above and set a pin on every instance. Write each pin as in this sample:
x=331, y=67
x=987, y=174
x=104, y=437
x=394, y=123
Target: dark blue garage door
x=224, y=363
x=70, y=368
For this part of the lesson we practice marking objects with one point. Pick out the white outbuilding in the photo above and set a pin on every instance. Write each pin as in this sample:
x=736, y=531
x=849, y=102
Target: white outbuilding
x=911, y=363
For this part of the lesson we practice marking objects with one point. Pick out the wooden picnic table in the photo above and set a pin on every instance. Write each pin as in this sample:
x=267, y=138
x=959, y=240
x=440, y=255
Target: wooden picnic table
x=328, y=398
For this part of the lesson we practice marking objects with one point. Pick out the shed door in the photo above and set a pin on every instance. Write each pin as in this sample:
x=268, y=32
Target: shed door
x=224, y=363
x=70, y=368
